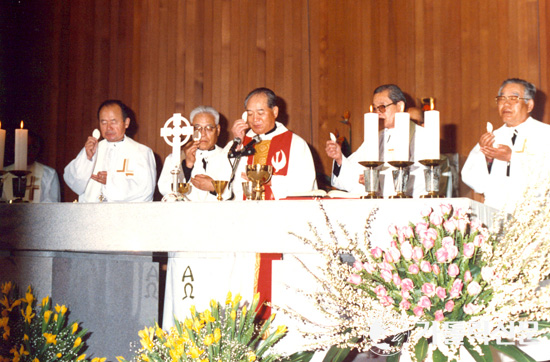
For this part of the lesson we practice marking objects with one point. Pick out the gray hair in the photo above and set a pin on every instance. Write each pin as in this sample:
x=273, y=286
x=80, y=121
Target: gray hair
x=529, y=88
x=205, y=109
x=271, y=97
x=394, y=93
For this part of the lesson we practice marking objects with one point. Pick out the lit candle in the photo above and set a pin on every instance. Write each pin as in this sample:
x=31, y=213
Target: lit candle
x=431, y=130
x=370, y=136
x=21, y=140
x=2, y=146
x=401, y=136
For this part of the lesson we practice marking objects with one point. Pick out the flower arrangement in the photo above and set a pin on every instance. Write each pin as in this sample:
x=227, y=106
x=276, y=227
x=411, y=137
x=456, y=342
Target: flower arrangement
x=37, y=333
x=227, y=334
x=441, y=272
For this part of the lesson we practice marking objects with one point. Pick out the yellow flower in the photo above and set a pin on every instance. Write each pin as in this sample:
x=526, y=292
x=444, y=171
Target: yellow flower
x=280, y=329
x=6, y=287
x=50, y=338
x=208, y=340
x=35, y=360
x=233, y=314
x=244, y=310
x=47, y=315
x=75, y=327
x=58, y=355
x=194, y=352
x=61, y=309
x=197, y=325
x=29, y=298
x=81, y=357
x=120, y=359
x=193, y=310
x=25, y=337
x=146, y=338
x=251, y=356
x=6, y=334
x=28, y=315
x=217, y=335
x=237, y=300
x=77, y=342
x=213, y=303
x=45, y=300
x=205, y=360
x=208, y=316
x=228, y=299
x=188, y=323
x=55, y=317
x=144, y=357
x=18, y=354
x=97, y=359
x=256, y=298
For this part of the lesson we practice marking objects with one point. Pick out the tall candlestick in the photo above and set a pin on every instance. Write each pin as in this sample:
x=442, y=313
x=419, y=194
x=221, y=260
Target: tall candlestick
x=401, y=136
x=370, y=136
x=2, y=146
x=21, y=140
x=431, y=130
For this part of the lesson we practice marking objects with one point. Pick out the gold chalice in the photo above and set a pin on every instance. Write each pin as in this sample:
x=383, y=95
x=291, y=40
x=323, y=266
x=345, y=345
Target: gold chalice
x=259, y=175
x=184, y=188
x=219, y=187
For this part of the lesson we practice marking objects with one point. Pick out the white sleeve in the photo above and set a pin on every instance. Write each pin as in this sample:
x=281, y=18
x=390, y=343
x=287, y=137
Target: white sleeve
x=78, y=172
x=475, y=173
x=350, y=170
x=50, y=186
x=165, y=179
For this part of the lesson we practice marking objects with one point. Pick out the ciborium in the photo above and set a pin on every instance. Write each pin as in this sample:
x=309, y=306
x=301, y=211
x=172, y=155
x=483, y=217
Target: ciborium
x=259, y=175
x=219, y=187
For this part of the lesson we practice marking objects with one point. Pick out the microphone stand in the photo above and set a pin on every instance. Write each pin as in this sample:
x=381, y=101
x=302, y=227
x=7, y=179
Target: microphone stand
x=237, y=155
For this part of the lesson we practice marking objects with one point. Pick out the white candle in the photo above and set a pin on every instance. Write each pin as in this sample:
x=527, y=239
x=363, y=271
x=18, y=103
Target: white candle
x=21, y=140
x=401, y=136
x=431, y=128
x=370, y=136
x=2, y=145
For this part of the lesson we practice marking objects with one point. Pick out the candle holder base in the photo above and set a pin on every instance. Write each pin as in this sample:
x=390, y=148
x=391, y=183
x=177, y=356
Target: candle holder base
x=370, y=196
x=432, y=174
x=372, y=179
x=431, y=195
x=400, y=178
x=19, y=183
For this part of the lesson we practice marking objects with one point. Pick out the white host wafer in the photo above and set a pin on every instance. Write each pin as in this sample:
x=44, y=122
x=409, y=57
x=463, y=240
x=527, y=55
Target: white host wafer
x=489, y=127
x=332, y=137
x=96, y=134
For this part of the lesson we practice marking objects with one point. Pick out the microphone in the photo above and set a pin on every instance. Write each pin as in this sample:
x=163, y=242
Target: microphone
x=249, y=148
x=236, y=142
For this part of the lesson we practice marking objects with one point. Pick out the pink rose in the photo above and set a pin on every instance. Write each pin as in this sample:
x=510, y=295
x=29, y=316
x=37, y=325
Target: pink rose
x=428, y=243
x=385, y=266
x=474, y=288
x=369, y=267
x=392, y=229
x=452, y=252
x=445, y=209
x=447, y=242
x=417, y=253
x=405, y=305
x=475, y=225
x=449, y=306
x=354, y=279
x=376, y=252
x=435, y=268
x=386, y=301
x=462, y=224
x=407, y=232
x=406, y=250
x=469, y=308
x=393, y=244
x=469, y=249
x=441, y=292
x=428, y=289
x=439, y=315
x=386, y=275
x=426, y=211
x=421, y=227
x=414, y=269
x=380, y=291
x=441, y=255
x=468, y=276
x=357, y=265
x=418, y=311
x=395, y=254
x=425, y=266
x=456, y=289
x=487, y=273
x=453, y=270
x=478, y=240
x=396, y=279
x=461, y=213
x=405, y=294
x=407, y=284
x=450, y=225
x=436, y=219
x=424, y=302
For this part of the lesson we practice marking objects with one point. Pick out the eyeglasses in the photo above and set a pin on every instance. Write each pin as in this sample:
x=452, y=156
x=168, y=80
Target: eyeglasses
x=208, y=128
x=511, y=99
x=381, y=108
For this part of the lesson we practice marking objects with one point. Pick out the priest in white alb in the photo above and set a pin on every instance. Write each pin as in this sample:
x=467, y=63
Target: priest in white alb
x=115, y=169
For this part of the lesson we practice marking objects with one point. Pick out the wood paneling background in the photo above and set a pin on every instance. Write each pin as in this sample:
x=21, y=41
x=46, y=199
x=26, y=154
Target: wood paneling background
x=321, y=57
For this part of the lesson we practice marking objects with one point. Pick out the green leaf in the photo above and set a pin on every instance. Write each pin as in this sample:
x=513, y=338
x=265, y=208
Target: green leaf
x=394, y=357
x=487, y=356
x=439, y=357
x=512, y=351
x=336, y=354
x=421, y=349
x=304, y=356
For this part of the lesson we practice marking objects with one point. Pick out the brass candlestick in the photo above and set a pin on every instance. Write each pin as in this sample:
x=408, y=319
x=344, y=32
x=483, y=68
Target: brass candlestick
x=432, y=174
x=19, y=184
x=400, y=178
x=259, y=175
x=372, y=178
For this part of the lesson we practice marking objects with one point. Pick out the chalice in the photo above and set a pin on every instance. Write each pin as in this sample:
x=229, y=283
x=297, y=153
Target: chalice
x=259, y=175
x=219, y=187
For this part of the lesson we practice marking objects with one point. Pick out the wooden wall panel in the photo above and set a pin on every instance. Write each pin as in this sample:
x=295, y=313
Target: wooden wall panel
x=322, y=57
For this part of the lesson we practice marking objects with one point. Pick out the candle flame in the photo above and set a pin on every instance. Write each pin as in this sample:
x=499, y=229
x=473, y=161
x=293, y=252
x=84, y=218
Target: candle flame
x=0, y=124
x=21, y=124
x=371, y=109
x=432, y=105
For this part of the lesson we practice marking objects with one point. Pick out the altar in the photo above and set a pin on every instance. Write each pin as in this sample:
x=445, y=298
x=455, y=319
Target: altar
x=102, y=260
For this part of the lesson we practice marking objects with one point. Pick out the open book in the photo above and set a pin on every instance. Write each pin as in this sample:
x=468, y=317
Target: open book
x=333, y=194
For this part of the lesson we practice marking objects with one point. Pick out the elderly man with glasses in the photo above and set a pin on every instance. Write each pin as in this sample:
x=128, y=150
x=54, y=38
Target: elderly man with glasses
x=203, y=159
x=347, y=173
x=505, y=162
